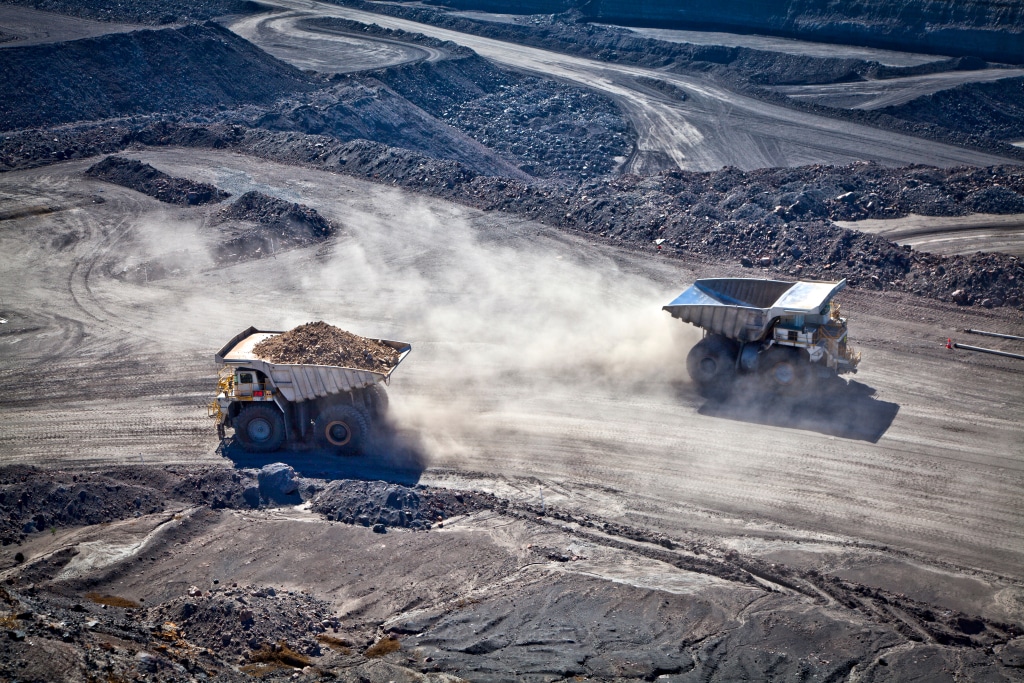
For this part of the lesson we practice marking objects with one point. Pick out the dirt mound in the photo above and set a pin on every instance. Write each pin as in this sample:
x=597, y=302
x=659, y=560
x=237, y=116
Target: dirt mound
x=393, y=505
x=237, y=621
x=135, y=73
x=297, y=218
x=278, y=225
x=322, y=344
x=33, y=500
x=144, y=11
x=144, y=178
x=994, y=109
x=547, y=128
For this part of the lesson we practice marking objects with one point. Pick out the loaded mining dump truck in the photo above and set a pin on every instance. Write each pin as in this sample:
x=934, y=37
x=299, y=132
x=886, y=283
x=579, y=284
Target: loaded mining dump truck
x=785, y=333
x=269, y=399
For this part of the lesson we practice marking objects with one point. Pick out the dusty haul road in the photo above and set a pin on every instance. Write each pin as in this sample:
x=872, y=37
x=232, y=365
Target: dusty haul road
x=542, y=365
x=714, y=127
x=950, y=235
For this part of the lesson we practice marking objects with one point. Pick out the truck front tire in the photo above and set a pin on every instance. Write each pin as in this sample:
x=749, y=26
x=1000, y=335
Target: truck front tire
x=712, y=365
x=784, y=371
x=260, y=428
x=340, y=428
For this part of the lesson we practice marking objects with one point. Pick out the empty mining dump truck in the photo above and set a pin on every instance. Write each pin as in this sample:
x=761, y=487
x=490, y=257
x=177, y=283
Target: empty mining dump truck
x=786, y=333
x=270, y=404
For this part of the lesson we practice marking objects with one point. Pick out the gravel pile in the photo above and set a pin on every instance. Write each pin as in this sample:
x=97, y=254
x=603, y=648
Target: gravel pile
x=270, y=225
x=130, y=73
x=34, y=500
x=993, y=109
x=143, y=11
x=298, y=219
x=144, y=178
x=241, y=621
x=382, y=505
x=322, y=344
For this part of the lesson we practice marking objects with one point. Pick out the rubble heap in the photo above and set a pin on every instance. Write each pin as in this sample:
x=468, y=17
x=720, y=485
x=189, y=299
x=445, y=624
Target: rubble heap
x=322, y=344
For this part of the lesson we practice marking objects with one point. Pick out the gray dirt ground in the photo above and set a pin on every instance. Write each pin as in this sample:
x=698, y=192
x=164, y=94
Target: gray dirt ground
x=607, y=522
x=542, y=365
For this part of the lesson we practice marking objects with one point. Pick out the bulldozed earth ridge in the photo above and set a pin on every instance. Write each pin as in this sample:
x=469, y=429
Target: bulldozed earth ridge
x=157, y=184
x=227, y=573
x=773, y=221
x=129, y=73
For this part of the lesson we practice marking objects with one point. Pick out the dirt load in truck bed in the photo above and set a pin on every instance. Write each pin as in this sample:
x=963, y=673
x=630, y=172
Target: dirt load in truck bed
x=322, y=344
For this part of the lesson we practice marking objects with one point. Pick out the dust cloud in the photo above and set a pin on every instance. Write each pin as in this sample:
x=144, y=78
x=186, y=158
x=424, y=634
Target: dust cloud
x=500, y=321
x=172, y=242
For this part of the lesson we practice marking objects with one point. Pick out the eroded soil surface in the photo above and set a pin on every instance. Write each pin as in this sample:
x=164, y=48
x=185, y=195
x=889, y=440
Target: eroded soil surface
x=443, y=583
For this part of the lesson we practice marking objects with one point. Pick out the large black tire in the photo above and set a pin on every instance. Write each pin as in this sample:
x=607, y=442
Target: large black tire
x=341, y=428
x=260, y=428
x=784, y=370
x=377, y=400
x=712, y=365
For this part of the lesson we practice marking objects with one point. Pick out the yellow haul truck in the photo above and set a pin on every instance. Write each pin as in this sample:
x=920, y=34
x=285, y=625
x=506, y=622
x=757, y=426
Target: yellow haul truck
x=270, y=404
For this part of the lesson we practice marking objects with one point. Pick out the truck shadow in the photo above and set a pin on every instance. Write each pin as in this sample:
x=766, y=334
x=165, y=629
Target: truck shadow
x=391, y=456
x=848, y=410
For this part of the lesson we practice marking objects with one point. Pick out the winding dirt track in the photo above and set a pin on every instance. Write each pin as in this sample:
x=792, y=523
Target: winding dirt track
x=714, y=127
x=891, y=92
x=327, y=51
x=539, y=361
x=950, y=235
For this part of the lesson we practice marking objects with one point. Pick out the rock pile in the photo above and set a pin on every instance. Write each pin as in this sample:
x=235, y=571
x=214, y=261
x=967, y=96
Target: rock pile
x=32, y=501
x=273, y=225
x=381, y=505
x=237, y=621
x=144, y=11
x=322, y=344
x=144, y=178
x=125, y=73
x=302, y=222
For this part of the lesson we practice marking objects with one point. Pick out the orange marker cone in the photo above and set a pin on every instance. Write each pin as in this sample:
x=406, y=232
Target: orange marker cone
x=949, y=343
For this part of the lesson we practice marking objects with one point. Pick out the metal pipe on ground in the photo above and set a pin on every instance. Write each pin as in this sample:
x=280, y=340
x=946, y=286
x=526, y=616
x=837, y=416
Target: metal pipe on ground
x=993, y=334
x=965, y=347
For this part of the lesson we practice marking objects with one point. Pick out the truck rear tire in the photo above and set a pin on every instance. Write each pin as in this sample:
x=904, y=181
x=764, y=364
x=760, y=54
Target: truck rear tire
x=340, y=428
x=260, y=428
x=377, y=401
x=712, y=365
x=784, y=371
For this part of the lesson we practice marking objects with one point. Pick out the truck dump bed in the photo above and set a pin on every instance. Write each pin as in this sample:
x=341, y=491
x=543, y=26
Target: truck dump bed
x=300, y=382
x=744, y=308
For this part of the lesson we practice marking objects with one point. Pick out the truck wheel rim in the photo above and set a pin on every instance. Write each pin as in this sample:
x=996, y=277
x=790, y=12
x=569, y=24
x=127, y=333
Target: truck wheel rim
x=784, y=374
x=708, y=366
x=338, y=433
x=259, y=429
